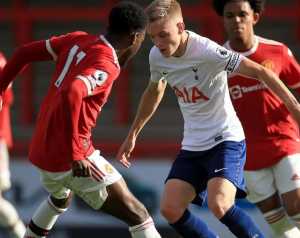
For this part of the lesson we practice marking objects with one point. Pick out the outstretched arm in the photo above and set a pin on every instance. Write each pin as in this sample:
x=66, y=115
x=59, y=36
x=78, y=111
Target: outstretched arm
x=148, y=104
x=251, y=69
x=34, y=51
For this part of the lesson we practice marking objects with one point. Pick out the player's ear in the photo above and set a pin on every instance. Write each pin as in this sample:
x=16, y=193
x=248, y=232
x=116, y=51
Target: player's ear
x=137, y=37
x=181, y=27
x=256, y=17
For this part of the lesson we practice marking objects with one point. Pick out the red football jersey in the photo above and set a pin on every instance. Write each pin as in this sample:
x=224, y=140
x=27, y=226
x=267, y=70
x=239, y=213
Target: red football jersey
x=270, y=131
x=7, y=98
x=61, y=137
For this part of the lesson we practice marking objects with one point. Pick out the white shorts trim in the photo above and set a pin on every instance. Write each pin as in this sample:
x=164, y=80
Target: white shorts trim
x=282, y=178
x=92, y=191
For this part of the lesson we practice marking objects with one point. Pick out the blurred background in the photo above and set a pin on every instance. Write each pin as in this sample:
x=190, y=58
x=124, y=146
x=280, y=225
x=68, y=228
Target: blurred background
x=22, y=21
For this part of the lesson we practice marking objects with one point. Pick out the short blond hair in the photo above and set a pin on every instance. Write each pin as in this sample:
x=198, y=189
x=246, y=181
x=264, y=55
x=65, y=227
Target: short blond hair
x=159, y=9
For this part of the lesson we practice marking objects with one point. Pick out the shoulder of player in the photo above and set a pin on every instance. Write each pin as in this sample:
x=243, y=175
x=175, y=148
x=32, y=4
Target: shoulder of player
x=155, y=55
x=276, y=45
x=269, y=42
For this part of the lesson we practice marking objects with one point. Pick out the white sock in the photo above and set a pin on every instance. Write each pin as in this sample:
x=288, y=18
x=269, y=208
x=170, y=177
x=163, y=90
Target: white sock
x=43, y=219
x=9, y=218
x=145, y=230
x=280, y=224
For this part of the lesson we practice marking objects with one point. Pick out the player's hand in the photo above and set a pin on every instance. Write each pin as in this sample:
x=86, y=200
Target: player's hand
x=125, y=150
x=81, y=168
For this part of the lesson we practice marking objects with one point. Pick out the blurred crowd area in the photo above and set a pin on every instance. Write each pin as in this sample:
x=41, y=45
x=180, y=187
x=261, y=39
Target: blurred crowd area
x=22, y=21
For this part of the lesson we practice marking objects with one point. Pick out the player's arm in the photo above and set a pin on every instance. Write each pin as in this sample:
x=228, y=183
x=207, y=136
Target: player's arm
x=290, y=70
x=251, y=69
x=34, y=51
x=149, y=102
x=72, y=99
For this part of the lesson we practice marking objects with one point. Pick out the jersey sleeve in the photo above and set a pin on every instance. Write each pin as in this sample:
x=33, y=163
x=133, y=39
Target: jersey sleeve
x=221, y=59
x=98, y=77
x=56, y=43
x=290, y=73
x=155, y=72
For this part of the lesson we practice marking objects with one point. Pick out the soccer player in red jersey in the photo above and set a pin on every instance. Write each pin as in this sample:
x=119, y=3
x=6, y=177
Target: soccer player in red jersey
x=9, y=217
x=86, y=68
x=273, y=142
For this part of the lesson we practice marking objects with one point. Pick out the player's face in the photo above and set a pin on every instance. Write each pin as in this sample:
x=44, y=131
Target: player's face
x=166, y=36
x=239, y=19
x=133, y=49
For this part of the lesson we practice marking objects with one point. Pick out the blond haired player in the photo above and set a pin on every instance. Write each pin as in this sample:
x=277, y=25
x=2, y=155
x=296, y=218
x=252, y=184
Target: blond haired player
x=212, y=157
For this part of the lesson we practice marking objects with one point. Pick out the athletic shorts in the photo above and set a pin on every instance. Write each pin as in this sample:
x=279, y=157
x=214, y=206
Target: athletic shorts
x=92, y=191
x=5, y=182
x=225, y=160
x=282, y=178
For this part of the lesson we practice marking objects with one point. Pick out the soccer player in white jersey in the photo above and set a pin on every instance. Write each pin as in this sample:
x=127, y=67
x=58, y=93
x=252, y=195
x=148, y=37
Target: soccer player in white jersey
x=212, y=156
x=272, y=169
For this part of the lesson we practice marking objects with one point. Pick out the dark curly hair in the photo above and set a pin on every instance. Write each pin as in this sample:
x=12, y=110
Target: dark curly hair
x=127, y=17
x=256, y=5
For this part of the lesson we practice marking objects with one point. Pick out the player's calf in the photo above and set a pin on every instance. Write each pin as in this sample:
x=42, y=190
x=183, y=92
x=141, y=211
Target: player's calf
x=121, y=203
x=45, y=217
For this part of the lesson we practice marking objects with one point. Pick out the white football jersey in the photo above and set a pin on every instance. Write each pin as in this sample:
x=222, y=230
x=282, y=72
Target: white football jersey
x=199, y=80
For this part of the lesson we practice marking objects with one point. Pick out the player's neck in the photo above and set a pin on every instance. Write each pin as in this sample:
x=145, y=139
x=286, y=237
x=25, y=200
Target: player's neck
x=182, y=46
x=242, y=45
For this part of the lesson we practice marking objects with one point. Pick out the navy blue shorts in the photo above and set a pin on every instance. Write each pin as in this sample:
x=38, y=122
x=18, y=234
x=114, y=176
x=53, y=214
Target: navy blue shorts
x=225, y=160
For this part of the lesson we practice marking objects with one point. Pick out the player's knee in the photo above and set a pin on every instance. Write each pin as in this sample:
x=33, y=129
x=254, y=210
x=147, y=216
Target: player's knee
x=219, y=206
x=171, y=213
x=61, y=203
x=293, y=209
x=292, y=203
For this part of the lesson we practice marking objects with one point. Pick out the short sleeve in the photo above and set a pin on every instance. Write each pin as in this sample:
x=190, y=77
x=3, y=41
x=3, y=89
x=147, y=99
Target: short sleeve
x=155, y=73
x=55, y=44
x=290, y=73
x=222, y=59
x=99, y=77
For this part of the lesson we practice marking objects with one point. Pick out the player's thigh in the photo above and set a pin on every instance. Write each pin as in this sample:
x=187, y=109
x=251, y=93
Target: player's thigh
x=5, y=182
x=188, y=172
x=92, y=189
x=226, y=170
x=287, y=178
x=260, y=184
